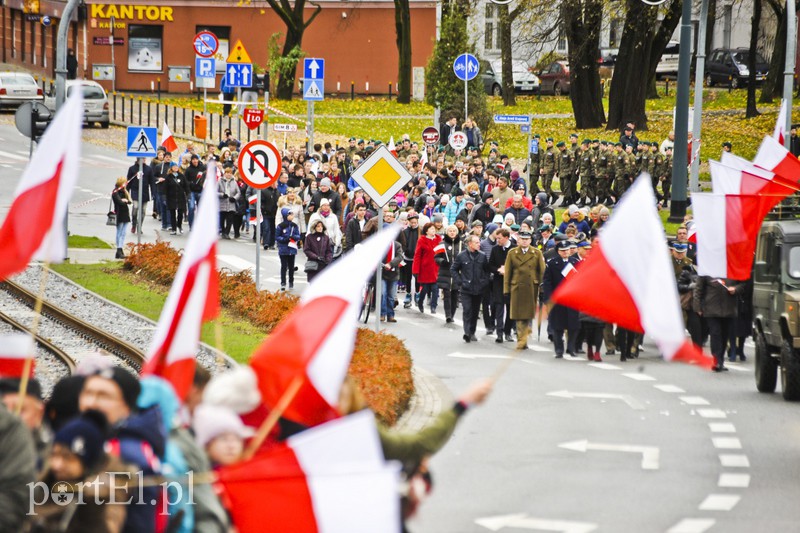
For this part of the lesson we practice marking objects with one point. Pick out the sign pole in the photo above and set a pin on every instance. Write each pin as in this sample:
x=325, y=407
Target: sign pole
x=310, y=146
x=466, y=100
x=140, y=214
x=530, y=170
x=205, y=97
x=111, y=23
x=378, y=279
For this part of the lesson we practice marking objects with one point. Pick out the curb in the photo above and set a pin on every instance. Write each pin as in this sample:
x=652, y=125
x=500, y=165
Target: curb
x=431, y=396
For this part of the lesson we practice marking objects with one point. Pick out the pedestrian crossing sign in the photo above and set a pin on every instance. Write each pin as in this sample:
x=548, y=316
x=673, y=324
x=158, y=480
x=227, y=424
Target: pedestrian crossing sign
x=313, y=89
x=142, y=141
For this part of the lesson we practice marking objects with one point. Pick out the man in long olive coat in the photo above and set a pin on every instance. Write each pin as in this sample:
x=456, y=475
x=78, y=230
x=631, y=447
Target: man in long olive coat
x=522, y=275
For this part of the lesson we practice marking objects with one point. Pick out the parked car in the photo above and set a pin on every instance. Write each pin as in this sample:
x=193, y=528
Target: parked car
x=17, y=88
x=524, y=79
x=668, y=64
x=492, y=82
x=555, y=78
x=95, y=101
x=731, y=64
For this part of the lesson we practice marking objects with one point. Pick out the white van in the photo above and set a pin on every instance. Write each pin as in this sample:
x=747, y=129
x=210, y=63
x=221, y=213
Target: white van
x=95, y=101
x=668, y=65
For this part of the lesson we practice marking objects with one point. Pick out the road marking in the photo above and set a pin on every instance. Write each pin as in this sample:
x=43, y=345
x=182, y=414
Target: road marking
x=632, y=403
x=738, y=367
x=236, y=262
x=694, y=400
x=650, y=454
x=111, y=159
x=712, y=413
x=719, y=502
x=638, y=376
x=673, y=389
x=692, y=525
x=459, y=355
x=605, y=366
x=721, y=427
x=734, y=460
x=523, y=521
x=734, y=481
x=727, y=443
x=14, y=156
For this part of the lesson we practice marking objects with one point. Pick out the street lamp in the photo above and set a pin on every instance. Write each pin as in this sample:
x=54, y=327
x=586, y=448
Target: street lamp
x=680, y=160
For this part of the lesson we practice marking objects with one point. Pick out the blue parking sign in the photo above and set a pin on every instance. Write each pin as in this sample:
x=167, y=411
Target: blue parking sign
x=205, y=67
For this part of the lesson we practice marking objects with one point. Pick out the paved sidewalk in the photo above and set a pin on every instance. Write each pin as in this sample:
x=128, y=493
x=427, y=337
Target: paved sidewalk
x=430, y=398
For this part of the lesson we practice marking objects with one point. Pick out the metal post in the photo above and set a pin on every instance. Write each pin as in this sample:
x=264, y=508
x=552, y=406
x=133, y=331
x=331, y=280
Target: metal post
x=466, y=98
x=788, y=72
x=437, y=112
x=140, y=213
x=680, y=161
x=310, y=147
x=61, y=53
x=698, y=96
x=258, y=240
x=528, y=148
x=378, y=279
x=205, y=97
x=111, y=22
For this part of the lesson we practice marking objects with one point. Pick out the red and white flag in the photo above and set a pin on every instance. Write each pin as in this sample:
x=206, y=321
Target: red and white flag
x=439, y=248
x=423, y=158
x=773, y=156
x=392, y=148
x=779, y=134
x=315, y=342
x=727, y=229
x=42, y=196
x=14, y=349
x=568, y=270
x=746, y=178
x=329, y=478
x=252, y=200
x=639, y=290
x=193, y=299
x=167, y=140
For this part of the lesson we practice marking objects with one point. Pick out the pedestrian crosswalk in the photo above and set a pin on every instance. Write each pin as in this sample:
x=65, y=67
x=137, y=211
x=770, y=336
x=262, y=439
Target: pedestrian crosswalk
x=19, y=158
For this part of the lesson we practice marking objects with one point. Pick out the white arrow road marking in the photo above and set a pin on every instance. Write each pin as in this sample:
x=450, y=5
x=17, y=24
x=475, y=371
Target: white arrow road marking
x=523, y=521
x=650, y=454
x=459, y=355
x=632, y=403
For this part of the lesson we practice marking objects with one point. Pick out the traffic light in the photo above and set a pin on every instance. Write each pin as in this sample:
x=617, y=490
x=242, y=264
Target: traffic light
x=83, y=12
x=39, y=123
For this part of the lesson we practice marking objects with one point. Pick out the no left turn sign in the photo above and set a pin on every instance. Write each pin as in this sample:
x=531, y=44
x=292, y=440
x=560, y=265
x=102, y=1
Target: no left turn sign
x=259, y=164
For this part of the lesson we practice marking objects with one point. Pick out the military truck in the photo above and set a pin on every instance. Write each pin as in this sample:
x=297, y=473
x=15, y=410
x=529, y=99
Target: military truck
x=776, y=307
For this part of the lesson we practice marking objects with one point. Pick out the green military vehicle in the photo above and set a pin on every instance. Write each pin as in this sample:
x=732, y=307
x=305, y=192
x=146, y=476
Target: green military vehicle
x=776, y=307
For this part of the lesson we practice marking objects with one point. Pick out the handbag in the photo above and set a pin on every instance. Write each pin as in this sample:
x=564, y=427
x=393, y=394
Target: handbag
x=111, y=217
x=311, y=266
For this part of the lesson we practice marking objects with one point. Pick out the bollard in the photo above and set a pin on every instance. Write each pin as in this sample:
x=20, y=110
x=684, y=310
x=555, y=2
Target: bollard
x=148, y=112
x=114, y=103
x=366, y=87
x=123, y=106
x=666, y=87
x=131, y=109
x=730, y=83
x=159, y=88
x=390, y=91
x=352, y=90
x=183, y=119
x=174, y=117
x=158, y=113
x=140, y=110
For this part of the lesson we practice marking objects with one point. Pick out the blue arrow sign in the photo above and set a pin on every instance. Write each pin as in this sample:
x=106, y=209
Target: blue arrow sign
x=313, y=90
x=239, y=74
x=512, y=119
x=313, y=68
x=142, y=141
x=205, y=67
x=466, y=67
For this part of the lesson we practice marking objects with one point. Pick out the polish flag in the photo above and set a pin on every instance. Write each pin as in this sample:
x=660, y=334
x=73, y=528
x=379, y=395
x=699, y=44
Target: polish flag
x=15, y=348
x=568, y=270
x=42, y=196
x=252, y=200
x=727, y=229
x=748, y=179
x=780, y=125
x=392, y=147
x=773, y=156
x=329, y=478
x=439, y=248
x=193, y=299
x=315, y=342
x=167, y=140
x=423, y=158
x=639, y=290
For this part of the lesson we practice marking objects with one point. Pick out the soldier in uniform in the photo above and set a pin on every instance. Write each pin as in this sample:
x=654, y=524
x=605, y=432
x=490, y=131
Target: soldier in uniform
x=658, y=167
x=575, y=148
x=666, y=176
x=522, y=273
x=548, y=169
x=586, y=174
x=564, y=169
x=351, y=147
x=602, y=173
x=561, y=318
x=620, y=161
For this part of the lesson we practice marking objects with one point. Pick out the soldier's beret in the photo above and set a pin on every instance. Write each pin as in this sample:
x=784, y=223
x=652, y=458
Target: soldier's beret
x=352, y=138
x=536, y=136
x=728, y=144
x=617, y=144
x=560, y=144
x=587, y=141
x=595, y=140
x=573, y=135
x=549, y=139
x=603, y=143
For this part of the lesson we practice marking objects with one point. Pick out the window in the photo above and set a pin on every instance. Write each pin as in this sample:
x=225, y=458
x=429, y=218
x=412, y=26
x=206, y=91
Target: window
x=223, y=33
x=491, y=36
x=144, y=48
x=794, y=262
x=561, y=44
x=615, y=32
x=727, y=15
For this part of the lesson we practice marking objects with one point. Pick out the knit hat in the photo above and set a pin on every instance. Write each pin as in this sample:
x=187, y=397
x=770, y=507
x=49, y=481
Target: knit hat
x=476, y=223
x=438, y=217
x=11, y=386
x=514, y=174
x=325, y=182
x=236, y=390
x=542, y=197
x=324, y=201
x=63, y=403
x=125, y=380
x=572, y=209
x=85, y=437
x=285, y=212
x=211, y=421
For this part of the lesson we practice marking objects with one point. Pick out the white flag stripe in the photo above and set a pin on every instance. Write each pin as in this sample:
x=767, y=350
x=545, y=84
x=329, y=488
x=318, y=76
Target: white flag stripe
x=725, y=180
x=770, y=154
x=709, y=216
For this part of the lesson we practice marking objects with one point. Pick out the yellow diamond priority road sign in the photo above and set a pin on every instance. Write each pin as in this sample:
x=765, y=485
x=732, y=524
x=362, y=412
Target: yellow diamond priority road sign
x=381, y=175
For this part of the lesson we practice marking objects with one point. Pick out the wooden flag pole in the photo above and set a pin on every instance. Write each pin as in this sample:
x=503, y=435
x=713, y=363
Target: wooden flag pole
x=37, y=316
x=272, y=418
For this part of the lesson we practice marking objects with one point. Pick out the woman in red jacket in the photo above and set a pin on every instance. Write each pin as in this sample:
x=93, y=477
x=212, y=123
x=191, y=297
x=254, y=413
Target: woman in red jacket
x=425, y=268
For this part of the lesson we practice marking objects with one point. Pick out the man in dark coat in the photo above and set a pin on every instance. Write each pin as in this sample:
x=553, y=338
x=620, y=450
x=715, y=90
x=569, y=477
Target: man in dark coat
x=500, y=301
x=408, y=241
x=716, y=300
x=133, y=188
x=355, y=227
x=523, y=272
x=560, y=318
x=470, y=271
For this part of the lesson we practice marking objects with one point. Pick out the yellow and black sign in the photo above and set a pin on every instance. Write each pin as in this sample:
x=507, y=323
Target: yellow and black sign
x=30, y=7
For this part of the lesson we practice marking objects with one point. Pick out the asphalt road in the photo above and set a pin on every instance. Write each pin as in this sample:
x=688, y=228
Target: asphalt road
x=561, y=445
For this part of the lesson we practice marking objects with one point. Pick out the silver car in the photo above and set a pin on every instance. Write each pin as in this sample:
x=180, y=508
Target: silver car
x=95, y=101
x=17, y=88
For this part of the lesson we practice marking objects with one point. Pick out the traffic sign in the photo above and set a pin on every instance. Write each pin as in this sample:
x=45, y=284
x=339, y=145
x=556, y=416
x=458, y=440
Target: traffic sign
x=466, y=67
x=313, y=68
x=534, y=147
x=259, y=163
x=253, y=117
x=238, y=54
x=205, y=67
x=458, y=140
x=284, y=127
x=524, y=128
x=239, y=74
x=430, y=135
x=313, y=90
x=381, y=175
x=512, y=119
x=206, y=44
x=142, y=141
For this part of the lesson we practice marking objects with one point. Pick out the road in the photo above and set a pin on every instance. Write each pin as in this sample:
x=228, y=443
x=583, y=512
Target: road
x=561, y=445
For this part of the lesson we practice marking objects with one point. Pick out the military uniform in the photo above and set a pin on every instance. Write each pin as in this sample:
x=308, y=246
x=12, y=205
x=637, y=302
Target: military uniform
x=586, y=174
x=548, y=170
x=620, y=172
x=602, y=174
x=523, y=274
x=565, y=170
x=560, y=318
x=666, y=176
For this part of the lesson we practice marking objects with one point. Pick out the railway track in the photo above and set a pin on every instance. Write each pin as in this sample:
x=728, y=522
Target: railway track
x=57, y=352
x=96, y=338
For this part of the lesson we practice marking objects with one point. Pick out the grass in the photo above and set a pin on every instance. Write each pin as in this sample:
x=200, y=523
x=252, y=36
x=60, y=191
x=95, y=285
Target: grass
x=82, y=241
x=111, y=281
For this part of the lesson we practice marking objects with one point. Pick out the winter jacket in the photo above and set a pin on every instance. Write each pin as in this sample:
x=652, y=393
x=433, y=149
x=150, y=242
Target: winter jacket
x=581, y=225
x=177, y=191
x=425, y=267
x=121, y=207
x=452, y=247
x=470, y=271
x=408, y=240
x=334, y=199
x=286, y=233
x=148, y=183
x=390, y=270
x=713, y=299
x=519, y=214
x=228, y=192
x=195, y=175
x=318, y=247
x=452, y=210
x=17, y=469
x=483, y=212
x=331, y=223
x=352, y=233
